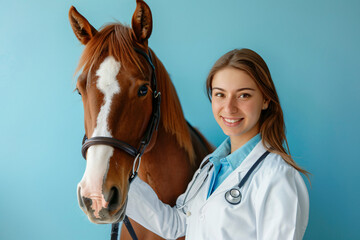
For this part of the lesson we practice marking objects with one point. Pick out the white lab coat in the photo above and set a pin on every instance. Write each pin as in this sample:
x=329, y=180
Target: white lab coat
x=275, y=205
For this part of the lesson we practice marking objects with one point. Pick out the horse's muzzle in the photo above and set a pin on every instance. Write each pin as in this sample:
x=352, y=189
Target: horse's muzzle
x=99, y=210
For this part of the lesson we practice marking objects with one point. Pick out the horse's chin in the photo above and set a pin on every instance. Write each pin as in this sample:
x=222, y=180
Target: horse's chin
x=108, y=217
x=115, y=219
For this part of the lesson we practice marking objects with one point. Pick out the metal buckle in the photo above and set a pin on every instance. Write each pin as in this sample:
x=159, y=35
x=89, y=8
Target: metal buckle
x=156, y=94
x=138, y=157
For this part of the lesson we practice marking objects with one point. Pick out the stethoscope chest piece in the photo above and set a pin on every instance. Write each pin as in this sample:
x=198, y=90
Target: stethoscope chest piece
x=233, y=196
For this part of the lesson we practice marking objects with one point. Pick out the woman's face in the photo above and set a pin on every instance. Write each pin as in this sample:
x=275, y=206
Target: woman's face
x=237, y=103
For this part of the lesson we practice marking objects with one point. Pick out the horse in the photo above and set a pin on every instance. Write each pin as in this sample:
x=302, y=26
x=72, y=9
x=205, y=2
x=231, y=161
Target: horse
x=116, y=73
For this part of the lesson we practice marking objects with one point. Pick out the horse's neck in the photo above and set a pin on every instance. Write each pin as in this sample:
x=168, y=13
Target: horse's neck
x=166, y=167
x=177, y=151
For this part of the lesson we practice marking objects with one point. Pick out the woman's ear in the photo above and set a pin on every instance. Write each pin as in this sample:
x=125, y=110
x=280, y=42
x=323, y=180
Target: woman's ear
x=265, y=104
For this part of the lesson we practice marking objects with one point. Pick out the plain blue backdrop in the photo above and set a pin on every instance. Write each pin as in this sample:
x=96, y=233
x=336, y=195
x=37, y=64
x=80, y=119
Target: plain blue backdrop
x=312, y=49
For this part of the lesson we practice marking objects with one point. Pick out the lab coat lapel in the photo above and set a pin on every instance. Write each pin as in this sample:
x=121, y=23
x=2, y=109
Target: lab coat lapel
x=253, y=156
x=240, y=171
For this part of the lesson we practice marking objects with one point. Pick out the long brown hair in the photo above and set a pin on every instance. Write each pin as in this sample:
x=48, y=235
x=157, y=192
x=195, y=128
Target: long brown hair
x=272, y=125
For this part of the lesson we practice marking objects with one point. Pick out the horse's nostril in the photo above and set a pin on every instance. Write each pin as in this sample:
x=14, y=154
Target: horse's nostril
x=80, y=199
x=114, y=199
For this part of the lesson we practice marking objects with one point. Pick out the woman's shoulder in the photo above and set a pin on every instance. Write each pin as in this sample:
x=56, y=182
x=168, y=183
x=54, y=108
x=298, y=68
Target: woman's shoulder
x=277, y=176
x=275, y=166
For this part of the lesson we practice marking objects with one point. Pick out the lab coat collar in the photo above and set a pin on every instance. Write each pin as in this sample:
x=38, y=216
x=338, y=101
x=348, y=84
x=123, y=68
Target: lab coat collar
x=237, y=157
x=248, y=162
x=222, y=153
x=253, y=156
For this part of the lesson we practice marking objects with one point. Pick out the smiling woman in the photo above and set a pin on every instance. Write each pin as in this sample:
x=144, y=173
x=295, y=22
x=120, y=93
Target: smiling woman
x=237, y=103
x=248, y=71
x=254, y=189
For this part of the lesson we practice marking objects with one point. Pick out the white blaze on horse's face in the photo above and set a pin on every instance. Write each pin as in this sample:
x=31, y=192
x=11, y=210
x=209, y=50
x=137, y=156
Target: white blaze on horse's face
x=98, y=156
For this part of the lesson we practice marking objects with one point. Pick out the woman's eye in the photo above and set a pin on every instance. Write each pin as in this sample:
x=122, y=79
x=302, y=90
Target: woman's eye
x=218, y=94
x=77, y=90
x=142, y=90
x=245, y=95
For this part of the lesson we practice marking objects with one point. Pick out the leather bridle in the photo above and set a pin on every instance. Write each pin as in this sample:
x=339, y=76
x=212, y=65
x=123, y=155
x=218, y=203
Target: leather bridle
x=135, y=152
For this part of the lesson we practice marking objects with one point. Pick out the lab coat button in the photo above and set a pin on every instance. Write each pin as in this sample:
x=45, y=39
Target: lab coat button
x=188, y=213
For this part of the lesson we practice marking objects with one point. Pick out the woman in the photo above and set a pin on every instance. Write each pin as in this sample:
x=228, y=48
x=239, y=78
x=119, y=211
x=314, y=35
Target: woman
x=249, y=187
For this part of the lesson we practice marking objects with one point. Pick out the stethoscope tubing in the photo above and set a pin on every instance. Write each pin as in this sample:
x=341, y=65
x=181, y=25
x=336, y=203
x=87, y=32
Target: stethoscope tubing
x=234, y=196
x=230, y=198
x=245, y=178
x=191, y=186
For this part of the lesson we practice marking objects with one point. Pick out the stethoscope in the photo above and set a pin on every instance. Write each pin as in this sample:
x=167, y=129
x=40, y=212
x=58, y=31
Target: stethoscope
x=232, y=196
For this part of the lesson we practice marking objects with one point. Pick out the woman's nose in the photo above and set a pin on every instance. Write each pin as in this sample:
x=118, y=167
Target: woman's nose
x=231, y=105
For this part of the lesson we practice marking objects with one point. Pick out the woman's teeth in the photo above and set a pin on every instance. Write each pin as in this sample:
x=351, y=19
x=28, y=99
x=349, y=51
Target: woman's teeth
x=232, y=120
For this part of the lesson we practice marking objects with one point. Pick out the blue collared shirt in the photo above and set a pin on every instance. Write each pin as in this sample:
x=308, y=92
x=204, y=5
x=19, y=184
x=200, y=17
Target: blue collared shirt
x=225, y=163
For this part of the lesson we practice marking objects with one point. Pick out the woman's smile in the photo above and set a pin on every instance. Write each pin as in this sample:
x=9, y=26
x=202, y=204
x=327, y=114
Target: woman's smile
x=232, y=122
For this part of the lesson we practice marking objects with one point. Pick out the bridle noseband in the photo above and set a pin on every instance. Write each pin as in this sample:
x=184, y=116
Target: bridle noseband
x=144, y=142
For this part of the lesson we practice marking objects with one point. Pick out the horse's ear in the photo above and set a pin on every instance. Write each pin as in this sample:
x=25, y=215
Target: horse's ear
x=142, y=22
x=81, y=27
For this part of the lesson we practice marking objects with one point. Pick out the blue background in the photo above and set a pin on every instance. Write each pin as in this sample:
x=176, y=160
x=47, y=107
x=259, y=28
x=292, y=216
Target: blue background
x=312, y=49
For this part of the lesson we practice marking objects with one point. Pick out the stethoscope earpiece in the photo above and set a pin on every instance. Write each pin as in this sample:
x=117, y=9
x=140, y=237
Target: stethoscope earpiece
x=233, y=196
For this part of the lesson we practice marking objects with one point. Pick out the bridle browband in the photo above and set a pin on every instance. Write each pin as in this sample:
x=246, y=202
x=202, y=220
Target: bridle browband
x=131, y=150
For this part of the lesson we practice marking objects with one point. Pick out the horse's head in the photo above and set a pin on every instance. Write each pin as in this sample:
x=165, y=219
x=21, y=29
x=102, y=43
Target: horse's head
x=115, y=85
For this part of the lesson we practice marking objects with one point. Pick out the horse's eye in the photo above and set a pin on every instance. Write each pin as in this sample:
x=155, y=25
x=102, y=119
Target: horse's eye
x=77, y=90
x=143, y=90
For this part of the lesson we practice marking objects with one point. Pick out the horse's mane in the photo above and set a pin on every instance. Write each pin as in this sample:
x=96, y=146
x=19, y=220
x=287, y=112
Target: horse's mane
x=117, y=40
x=172, y=116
